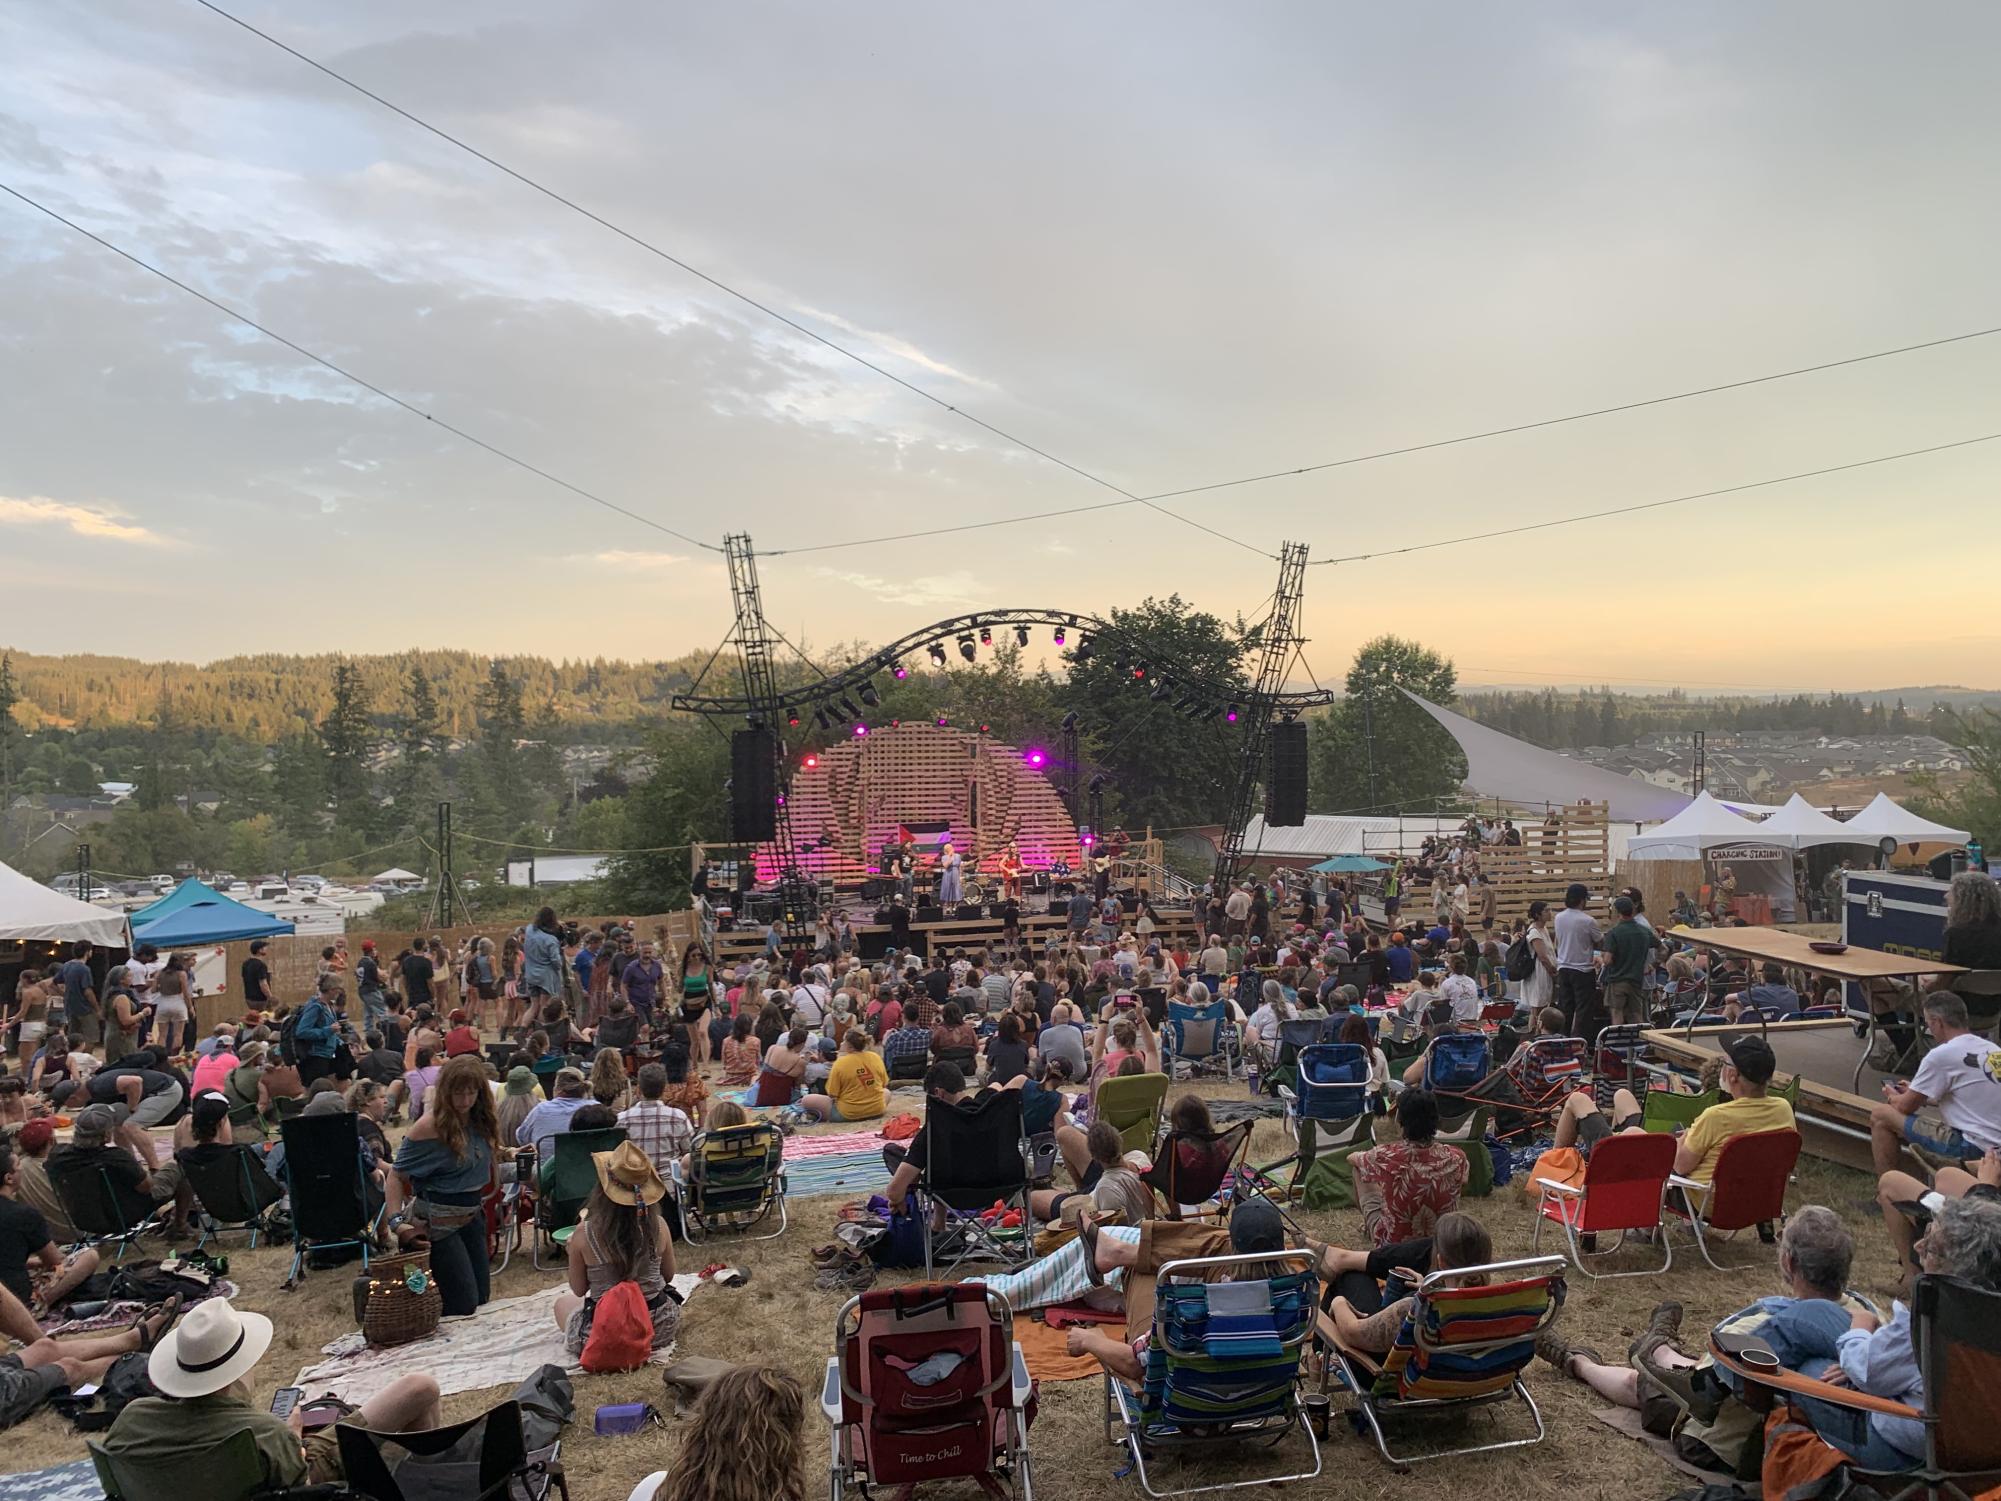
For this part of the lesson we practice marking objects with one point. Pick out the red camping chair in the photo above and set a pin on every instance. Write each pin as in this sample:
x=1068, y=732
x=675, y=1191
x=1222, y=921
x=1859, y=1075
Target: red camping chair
x=1196, y=1167
x=1749, y=1188
x=1625, y=1185
x=971, y=1422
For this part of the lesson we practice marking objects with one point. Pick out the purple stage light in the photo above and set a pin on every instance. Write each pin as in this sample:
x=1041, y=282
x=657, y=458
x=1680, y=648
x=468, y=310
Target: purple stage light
x=1087, y=841
x=860, y=730
x=1035, y=756
x=1231, y=716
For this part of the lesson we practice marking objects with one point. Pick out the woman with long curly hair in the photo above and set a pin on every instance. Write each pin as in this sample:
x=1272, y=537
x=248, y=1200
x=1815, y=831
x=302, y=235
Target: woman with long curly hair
x=444, y=1167
x=743, y=1445
x=609, y=1085
x=696, y=998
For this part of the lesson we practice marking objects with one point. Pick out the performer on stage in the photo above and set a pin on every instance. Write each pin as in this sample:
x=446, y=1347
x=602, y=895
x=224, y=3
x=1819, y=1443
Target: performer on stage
x=896, y=865
x=1010, y=872
x=950, y=886
x=1101, y=873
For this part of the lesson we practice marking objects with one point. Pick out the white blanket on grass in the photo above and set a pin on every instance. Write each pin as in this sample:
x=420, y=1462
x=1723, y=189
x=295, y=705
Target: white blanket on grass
x=501, y=1345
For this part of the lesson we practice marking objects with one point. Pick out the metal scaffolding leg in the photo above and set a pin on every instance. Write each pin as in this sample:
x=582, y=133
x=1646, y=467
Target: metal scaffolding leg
x=1281, y=642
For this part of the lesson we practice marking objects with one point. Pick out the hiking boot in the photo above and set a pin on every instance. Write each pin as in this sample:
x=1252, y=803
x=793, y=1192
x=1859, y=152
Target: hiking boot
x=1677, y=1381
x=1662, y=1326
x=1559, y=1352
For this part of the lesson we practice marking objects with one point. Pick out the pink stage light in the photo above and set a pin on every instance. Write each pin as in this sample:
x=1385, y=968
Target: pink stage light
x=1087, y=841
x=860, y=730
x=1035, y=756
x=1231, y=716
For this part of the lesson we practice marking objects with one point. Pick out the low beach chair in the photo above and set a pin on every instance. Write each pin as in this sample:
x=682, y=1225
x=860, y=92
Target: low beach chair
x=1749, y=1188
x=1468, y=1337
x=1199, y=1169
x=1222, y=1368
x=971, y=1423
x=483, y=1458
x=1624, y=1189
x=736, y=1182
x=1292, y=1037
x=233, y=1192
x=102, y=1213
x=1455, y=1062
x=1332, y=1091
x=977, y=1158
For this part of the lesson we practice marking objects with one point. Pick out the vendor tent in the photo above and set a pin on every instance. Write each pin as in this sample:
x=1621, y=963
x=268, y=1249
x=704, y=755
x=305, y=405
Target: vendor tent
x=1703, y=824
x=1799, y=825
x=398, y=873
x=197, y=913
x=33, y=913
x=1885, y=818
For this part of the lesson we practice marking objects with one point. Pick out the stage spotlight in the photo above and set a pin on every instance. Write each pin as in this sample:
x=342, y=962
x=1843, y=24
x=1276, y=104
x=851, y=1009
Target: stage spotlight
x=942, y=720
x=1213, y=713
x=869, y=696
x=1139, y=671
x=1084, y=648
x=848, y=707
x=1035, y=756
x=1070, y=720
x=966, y=647
x=834, y=713
x=810, y=761
x=1021, y=635
x=937, y=654
x=900, y=672
x=820, y=721
x=986, y=636
x=1231, y=716
x=1182, y=703
x=860, y=730
x=792, y=718
x=1097, y=783
x=1059, y=635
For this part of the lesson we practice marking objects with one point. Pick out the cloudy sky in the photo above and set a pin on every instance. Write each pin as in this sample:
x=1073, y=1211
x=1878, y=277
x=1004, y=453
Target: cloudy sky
x=1169, y=243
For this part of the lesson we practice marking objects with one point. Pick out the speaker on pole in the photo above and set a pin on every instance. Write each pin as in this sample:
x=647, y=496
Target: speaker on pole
x=1285, y=787
x=753, y=786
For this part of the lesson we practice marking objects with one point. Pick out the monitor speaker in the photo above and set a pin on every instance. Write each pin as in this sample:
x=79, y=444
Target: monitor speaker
x=1285, y=786
x=753, y=786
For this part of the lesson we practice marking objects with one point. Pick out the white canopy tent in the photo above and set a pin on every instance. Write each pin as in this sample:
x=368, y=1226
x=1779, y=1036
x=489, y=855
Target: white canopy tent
x=397, y=873
x=1703, y=824
x=33, y=913
x=1882, y=818
x=1799, y=825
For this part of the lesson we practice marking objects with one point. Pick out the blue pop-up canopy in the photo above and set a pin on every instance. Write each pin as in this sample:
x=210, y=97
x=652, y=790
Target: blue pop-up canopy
x=194, y=912
x=1350, y=863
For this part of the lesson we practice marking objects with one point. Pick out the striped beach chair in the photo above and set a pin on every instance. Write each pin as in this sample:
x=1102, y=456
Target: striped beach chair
x=736, y=1181
x=1221, y=1368
x=1464, y=1344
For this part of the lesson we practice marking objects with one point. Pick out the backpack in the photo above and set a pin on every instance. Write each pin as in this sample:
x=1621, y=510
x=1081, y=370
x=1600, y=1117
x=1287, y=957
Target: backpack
x=621, y=1331
x=125, y=1382
x=288, y=1036
x=1521, y=959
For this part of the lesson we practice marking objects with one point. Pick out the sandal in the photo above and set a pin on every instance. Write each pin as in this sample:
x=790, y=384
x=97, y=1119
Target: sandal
x=1087, y=1232
x=161, y=1316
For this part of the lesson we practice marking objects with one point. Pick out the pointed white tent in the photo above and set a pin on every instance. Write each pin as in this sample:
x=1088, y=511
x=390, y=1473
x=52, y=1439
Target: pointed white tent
x=33, y=913
x=1703, y=823
x=1799, y=825
x=1884, y=817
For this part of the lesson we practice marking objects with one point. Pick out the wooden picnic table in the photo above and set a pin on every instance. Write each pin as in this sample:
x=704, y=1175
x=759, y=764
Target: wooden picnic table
x=1783, y=946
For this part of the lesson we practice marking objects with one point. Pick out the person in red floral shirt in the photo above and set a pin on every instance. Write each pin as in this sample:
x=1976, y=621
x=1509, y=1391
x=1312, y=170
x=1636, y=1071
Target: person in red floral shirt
x=1404, y=1186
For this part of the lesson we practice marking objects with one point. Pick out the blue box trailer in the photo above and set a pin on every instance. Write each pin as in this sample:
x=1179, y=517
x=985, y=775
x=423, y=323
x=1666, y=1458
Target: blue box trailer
x=1894, y=912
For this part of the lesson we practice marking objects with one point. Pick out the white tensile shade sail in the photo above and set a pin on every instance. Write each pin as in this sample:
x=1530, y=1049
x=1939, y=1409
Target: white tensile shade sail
x=1703, y=823
x=1501, y=766
x=1799, y=825
x=398, y=873
x=33, y=913
x=1882, y=818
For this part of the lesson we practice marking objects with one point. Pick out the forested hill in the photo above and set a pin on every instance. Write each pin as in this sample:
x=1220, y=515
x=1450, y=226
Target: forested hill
x=268, y=697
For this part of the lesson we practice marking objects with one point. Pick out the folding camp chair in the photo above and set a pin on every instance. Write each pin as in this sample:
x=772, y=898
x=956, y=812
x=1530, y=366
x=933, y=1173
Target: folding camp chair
x=480, y=1459
x=563, y=1186
x=1546, y=1071
x=1495, y=1012
x=977, y=1159
x=1332, y=1091
x=1199, y=1037
x=736, y=1179
x=1222, y=1368
x=1292, y=1037
x=1956, y=1328
x=1194, y=1168
x=1468, y=1336
x=970, y=1423
x=233, y=1192
x=1133, y=1104
x=1749, y=1188
x=1625, y=1182
x=103, y=1213
x=327, y=1181
x=1455, y=1062
x=234, y=1467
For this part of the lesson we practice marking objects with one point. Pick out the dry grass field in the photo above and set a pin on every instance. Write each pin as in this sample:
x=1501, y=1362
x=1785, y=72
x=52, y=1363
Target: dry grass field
x=780, y=1317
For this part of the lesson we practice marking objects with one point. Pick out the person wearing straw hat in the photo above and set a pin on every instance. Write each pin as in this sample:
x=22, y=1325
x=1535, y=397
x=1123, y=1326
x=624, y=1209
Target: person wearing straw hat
x=202, y=1371
x=621, y=1238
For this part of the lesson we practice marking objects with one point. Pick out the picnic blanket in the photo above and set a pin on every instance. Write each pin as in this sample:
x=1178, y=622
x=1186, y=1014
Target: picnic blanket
x=849, y=1173
x=1229, y=1112
x=1625, y=1420
x=501, y=1345
x=125, y=1312
x=76, y=1481
x=1045, y=1351
x=834, y=1144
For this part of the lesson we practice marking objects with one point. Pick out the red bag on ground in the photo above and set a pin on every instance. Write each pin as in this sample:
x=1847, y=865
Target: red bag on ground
x=621, y=1336
x=900, y=1127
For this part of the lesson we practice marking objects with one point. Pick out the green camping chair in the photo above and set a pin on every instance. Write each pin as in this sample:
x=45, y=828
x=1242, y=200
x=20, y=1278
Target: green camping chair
x=1133, y=1104
x=562, y=1191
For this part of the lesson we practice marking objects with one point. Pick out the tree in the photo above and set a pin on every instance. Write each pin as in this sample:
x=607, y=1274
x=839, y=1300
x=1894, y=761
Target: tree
x=681, y=803
x=501, y=790
x=160, y=777
x=10, y=729
x=298, y=772
x=417, y=784
x=1377, y=751
x=1975, y=804
x=344, y=736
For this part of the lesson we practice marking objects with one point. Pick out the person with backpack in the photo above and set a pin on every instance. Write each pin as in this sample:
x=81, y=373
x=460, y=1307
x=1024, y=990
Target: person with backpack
x=1532, y=961
x=311, y=1033
x=621, y=1305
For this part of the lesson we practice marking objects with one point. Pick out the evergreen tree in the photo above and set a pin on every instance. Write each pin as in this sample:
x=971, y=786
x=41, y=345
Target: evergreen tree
x=501, y=790
x=10, y=729
x=1376, y=750
x=344, y=736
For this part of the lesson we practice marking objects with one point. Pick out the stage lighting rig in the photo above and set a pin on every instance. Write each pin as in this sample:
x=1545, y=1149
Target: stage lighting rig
x=869, y=696
x=986, y=636
x=1084, y=648
x=1021, y=635
x=937, y=654
x=966, y=648
x=820, y=721
x=848, y=708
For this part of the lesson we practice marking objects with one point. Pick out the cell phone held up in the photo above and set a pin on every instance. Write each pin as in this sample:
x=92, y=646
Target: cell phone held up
x=284, y=1400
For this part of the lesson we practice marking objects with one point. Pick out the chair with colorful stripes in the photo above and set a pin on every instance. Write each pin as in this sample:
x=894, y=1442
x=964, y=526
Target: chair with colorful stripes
x=1221, y=1369
x=1468, y=1336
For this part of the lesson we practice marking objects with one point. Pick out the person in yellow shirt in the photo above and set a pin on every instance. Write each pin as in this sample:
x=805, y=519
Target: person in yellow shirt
x=858, y=1085
x=1746, y=1078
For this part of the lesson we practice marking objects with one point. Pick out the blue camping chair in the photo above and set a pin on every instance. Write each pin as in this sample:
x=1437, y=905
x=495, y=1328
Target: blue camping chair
x=1456, y=1062
x=1332, y=1090
x=1200, y=1037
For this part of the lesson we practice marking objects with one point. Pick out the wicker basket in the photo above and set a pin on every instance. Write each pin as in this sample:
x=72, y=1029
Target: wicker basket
x=393, y=1312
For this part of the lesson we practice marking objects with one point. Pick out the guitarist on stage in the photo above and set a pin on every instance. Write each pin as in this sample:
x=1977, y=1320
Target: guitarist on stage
x=1010, y=872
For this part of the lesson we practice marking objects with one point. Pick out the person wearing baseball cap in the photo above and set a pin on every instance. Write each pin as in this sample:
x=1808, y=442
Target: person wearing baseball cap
x=1750, y=1106
x=94, y=1147
x=202, y=1369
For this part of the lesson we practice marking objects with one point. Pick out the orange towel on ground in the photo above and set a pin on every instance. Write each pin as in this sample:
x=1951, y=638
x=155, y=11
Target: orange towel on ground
x=1043, y=1349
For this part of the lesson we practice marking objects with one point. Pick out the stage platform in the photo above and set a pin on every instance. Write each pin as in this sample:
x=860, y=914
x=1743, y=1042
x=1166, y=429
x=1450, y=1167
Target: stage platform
x=956, y=934
x=1833, y=1109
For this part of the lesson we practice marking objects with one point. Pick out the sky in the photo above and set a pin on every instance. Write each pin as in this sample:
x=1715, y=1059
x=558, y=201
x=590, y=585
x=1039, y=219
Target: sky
x=1170, y=244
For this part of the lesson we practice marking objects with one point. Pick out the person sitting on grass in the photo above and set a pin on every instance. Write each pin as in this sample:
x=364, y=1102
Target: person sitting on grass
x=857, y=1086
x=32, y=1266
x=139, y=1191
x=1363, y=1322
x=741, y=1053
x=744, y=1443
x=41, y=1367
x=622, y=1237
x=31, y=1144
x=202, y=1372
x=722, y=1115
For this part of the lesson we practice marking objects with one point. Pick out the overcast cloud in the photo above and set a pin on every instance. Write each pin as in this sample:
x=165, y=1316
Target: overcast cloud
x=1171, y=243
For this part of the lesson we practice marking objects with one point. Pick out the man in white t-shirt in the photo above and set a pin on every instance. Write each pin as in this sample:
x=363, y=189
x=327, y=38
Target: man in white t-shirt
x=142, y=973
x=1462, y=991
x=810, y=998
x=1215, y=959
x=1238, y=910
x=1960, y=1078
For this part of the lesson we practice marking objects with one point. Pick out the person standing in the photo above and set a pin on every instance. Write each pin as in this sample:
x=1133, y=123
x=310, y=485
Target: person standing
x=419, y=976
x=950, y=882
x=640, y=983
x=368, y=985
x=1577, y=940
x=542, y=961
x=1539, y=989
x=83, y=1018
x=444, y=1167
x=1627, y=944
x=316, y=1036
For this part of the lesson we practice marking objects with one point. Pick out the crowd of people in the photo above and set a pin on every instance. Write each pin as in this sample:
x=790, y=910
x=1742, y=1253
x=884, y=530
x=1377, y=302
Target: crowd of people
x=462, y=1069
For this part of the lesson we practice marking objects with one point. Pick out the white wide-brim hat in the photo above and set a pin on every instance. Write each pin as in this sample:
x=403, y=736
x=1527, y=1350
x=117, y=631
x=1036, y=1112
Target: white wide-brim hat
x=211, y=1346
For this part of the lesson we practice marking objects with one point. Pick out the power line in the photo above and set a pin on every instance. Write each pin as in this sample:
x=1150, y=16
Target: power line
x=353, y=379
x=1654, y=505
x=1524, y=427
x=942, y=531
x=1128, y=497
